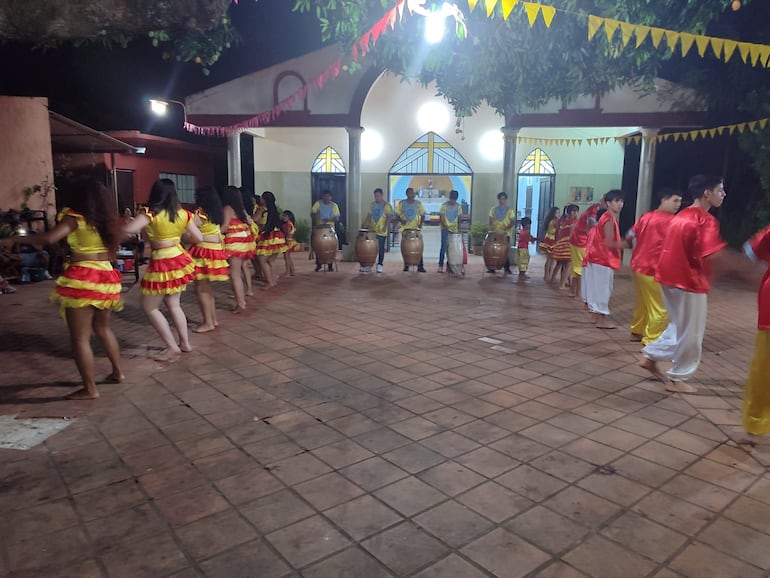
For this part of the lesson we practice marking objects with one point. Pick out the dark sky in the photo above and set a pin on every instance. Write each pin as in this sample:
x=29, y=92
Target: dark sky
x=108, y=89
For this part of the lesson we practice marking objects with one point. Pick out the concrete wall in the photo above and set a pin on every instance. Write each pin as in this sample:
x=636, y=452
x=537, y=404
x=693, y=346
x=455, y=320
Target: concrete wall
x=25, y=151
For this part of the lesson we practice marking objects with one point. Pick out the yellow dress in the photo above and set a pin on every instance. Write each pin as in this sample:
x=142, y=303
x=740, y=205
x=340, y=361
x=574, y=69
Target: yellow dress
x=171, y=268
x=209, y=258
x=239, y=241
x=270, y=242
x=87, y=283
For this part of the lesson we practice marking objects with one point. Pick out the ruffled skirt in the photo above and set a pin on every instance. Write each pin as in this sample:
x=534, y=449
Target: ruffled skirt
x=239, y=241
x=169, y=271
x=89, y=284
x=560, y=250
x=273, y=243
x=291, y=245
x=210, y=262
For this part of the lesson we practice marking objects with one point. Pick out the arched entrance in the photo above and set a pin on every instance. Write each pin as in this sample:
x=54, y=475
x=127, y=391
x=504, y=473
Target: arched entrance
x=537, y=182
x=328, y=173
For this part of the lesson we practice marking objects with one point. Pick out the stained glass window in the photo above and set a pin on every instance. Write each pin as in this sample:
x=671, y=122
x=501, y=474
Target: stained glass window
x=537, y=163
x=328, y=161
x=430, y=154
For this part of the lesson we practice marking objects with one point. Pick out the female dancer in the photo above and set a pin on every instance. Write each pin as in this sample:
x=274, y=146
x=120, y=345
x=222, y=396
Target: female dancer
x=239, y=242
x=548, y=229
x=560, y=252
x=208, y=255
x=288, y=227
x=250, y=267
x=171, y=268
x=89, y=288
x=271, y=241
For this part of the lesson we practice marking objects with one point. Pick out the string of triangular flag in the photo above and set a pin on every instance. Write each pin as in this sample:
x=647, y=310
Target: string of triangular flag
x=690, y=135
x=722, y=48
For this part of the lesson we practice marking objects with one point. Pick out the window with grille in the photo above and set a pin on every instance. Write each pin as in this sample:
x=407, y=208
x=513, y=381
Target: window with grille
x=185, y=186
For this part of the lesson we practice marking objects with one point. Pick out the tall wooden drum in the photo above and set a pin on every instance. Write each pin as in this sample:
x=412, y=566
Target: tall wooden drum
x=495, y=250
x=366, y=247
x=324, y=244
x=411, y=246
x=454, y=253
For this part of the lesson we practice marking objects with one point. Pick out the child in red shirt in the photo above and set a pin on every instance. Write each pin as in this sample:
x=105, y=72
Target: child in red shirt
x=525, y=238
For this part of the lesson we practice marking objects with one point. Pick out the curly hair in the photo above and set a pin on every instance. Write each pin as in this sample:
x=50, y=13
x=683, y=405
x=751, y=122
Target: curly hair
x=91, y=199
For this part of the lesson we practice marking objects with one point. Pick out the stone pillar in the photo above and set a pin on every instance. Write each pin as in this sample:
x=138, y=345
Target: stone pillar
x=646, y=171
x=510, y=182
x=354, y=190
x=234, y=160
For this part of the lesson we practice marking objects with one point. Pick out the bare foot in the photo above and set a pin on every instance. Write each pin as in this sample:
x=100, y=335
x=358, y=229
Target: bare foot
x=204, y=328
x=83, y=394
x=680, y=387
x=249, y=293
x=168, y=355
x=239, y=308
x=652, y=367
x=114, y=378
x=185, y=348
x=747, y=439
x=635, y=337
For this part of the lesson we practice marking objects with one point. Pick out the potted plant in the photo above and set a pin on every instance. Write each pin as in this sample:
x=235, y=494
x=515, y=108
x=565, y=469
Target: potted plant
x=478, y=233
x=302, y=234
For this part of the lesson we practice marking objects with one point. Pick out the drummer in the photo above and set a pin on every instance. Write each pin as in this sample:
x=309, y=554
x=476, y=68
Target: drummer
x=411, y=213
x=325, y=212
x=450, y=218
x=377, y=219
x=502, y=218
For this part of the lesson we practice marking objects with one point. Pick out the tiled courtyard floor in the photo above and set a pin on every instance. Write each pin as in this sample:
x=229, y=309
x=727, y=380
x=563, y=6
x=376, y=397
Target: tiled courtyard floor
x=383, y=425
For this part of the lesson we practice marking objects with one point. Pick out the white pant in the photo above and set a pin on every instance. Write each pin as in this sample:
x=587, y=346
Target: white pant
x=597, y=286
x=682, y=341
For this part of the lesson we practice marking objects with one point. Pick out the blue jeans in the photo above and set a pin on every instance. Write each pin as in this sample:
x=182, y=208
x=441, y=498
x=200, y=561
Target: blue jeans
x=381, y=240
x=444, y=243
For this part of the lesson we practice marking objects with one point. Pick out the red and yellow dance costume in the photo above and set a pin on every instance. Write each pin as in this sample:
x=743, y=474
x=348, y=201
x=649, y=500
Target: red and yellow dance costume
x=87, y=283
x=549, y=240
x=756, y=400
x=171, y=268
x=560, y=250
x=209, y=256
x=289, y=229
x=239, y=241
x=270, y=242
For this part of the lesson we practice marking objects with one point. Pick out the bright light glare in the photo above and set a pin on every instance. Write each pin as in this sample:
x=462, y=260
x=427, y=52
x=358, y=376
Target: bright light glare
x=433, y=116
x=371, y=145
x=434, y=27
x=159, y=107
x=491, y=145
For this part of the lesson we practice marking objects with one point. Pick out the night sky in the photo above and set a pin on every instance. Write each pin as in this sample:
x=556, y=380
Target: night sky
x=108, y=89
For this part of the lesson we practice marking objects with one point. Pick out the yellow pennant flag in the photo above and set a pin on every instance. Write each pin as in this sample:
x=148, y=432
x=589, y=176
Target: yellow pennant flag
x=702, y=133
x=763, y=55
x=656, y=34
x=472, y=4
x=677, y=135
x=594, y=23
x=731, y=129
x=490, y=6
x=641, y=34
x=548, y=13
x=743, y=49
x=717, y=45
x=507, y=7
x=712, y=132
x=730, y=46
x=687, y=42
x=626, y=30
x=532, y=9
x=753, y=125
x=762, y=123
x=741, y=127
x=610, y=26
x=720, y=130
x=637, y=139
x=672, y=36
x=702, y=42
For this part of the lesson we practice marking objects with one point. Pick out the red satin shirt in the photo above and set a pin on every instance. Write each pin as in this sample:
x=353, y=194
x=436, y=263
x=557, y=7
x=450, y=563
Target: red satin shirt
x=597, y=250
x=579, y=236
x=760, y=246
x=650, y=231
x=693, y=235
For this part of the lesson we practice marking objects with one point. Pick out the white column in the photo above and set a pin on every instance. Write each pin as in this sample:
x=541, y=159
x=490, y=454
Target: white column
x=510, y=183
x=646, y=171
x=234, y=160
x=354, y=190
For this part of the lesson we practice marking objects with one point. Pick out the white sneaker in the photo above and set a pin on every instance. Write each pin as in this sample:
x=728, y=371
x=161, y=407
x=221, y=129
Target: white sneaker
x=361, y=269
x=366, y=269
x=379, y=268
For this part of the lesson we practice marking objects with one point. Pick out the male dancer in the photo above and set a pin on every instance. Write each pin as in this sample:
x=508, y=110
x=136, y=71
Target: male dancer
x=577, y=244
x=411, y=213
x=378, y=216
x=502, y=219
x=450, y=219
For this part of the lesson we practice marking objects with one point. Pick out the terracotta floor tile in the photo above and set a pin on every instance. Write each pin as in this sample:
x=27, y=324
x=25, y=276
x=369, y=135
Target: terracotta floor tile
x=547, y=530
x=404, y=548
x=206, y=445
x=531, y=483
x=452, y=565
x=451, y=478
x=738, y=541
x=449, y=444
x=504, y=554
x=417, y=428
x=410, y=496
x=353, y=424
x=124, y=526
x=153, y=556
x=643, y=471
x=582, y=507
x=414, y=457
x=494, y=501
x=214, y=534
x=591, y=451
x=248, y=485
x=363, y=516
x=35, y=521
x=350, y=562
x=342, y=453
x=453, y=523
x=563, y=466
x=184, y=507
x=750, y=512
x=373, y=473
x=560, y=570
x=549, y=434
x=600, y=558
x=448, y=417
x=41, y=555
x=699, y=492
x=687, y=441
x=481, y=431
x=614, y=488
x=520, y=447
x=297, y=469
x=510, y=420
x=488, y=462
x=616, y=438
x=664, y=455
x=644, y=536
x=673, y=512
x=722, y=475
x=641, y=427
x=225, y=464
x=382, y=440
x=277, y=510
x=244, y=560
x=701, y=560
x=307, y=541
x=327, y=491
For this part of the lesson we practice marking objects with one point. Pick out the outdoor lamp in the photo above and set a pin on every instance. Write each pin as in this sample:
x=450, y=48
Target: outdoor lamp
x=160, y=106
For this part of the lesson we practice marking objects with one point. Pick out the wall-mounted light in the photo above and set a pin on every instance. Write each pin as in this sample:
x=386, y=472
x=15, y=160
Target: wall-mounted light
x=433, y=116
x=160, y=106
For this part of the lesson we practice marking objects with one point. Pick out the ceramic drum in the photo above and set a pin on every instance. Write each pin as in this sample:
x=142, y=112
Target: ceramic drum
x=495, y=250
x=366, y=247
x=324, y=244
x=411, y=246
x=454, y=251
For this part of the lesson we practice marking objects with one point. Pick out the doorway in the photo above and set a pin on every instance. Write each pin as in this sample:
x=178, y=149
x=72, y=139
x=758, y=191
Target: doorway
x=535, y=197
x=336, y=183
x=125, y=190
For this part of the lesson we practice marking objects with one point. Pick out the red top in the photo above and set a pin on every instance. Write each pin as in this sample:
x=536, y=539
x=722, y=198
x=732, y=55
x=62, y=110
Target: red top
x=759, y=247
x=692, y=236
x=650, y=231
x=597, y=250
x=564, y=228
x=524, y=239
x=579, y=236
